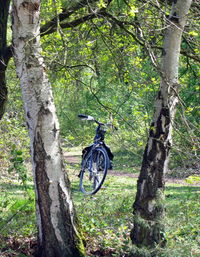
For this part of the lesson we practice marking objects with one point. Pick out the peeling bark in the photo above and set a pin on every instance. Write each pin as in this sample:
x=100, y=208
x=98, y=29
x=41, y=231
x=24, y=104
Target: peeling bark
x=148, y=206
x=58, y=233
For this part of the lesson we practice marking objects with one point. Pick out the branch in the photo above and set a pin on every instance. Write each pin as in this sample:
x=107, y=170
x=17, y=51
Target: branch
x=122, y=24
x=66, y=13
x=62, y=66
x=109, y=109
x=71, y=24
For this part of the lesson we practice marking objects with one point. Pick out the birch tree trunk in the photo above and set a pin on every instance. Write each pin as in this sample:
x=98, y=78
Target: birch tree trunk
x=58, y=235
x=148, y=206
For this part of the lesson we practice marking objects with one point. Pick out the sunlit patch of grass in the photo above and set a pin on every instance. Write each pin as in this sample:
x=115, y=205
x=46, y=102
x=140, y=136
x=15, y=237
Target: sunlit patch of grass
x=183, y=220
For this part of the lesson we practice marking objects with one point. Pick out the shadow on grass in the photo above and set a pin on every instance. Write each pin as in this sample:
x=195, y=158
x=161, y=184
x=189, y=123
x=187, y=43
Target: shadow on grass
x=183, y=188
x=182, y=192
x=15, y=188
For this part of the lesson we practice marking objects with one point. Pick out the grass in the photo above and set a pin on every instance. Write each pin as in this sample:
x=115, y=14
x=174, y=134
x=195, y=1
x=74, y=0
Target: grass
x=17, y=217
x=183, y=220
x=106, y=217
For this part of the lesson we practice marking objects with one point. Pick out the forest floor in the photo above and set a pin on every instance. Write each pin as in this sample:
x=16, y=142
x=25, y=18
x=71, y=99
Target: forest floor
x=106, y=217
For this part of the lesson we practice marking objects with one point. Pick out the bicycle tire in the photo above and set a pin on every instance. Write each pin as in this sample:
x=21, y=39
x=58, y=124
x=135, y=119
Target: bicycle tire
x=94, y=170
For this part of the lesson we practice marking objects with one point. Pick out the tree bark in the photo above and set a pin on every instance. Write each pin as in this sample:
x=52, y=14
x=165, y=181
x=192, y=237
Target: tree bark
x=59, y=234
x=4, y=10
x=148, y=207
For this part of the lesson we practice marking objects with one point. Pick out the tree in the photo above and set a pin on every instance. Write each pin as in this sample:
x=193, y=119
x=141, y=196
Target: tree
x=5, y=53
x=148, y=207
x=59, y=233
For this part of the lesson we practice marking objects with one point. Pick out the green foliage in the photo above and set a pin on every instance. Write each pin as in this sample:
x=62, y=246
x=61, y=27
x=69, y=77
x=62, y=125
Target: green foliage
x=193, y=179
x=186, y=129
x=14, y=140
x=17, y=164
x=16, y=205
x=100, y=69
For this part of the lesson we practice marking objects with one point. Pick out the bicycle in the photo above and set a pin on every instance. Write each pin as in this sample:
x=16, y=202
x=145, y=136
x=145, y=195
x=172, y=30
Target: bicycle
x=96, y=160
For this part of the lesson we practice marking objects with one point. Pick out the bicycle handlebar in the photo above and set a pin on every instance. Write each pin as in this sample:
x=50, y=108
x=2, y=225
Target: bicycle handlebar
x=85, y=117
x=90, y=118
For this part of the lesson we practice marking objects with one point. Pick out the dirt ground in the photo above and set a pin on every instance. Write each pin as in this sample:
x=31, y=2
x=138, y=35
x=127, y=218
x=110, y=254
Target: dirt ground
x=75, y=159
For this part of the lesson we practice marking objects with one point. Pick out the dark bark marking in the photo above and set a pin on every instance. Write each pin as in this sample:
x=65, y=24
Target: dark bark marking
x=31, y=7
x=44, y=111
x=27, y=124
x=159, y=96
x=152, y=170
x=174, y=18
x=54, y=130
x=159, y=132
x=28, y=115
x=163, y=52
x=3, y=92
x=36, y=6
x=67, y=230
x=44, y=200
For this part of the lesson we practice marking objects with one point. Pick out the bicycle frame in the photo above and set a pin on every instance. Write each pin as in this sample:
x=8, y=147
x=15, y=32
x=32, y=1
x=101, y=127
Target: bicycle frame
x=96, y=160
x=98, y=141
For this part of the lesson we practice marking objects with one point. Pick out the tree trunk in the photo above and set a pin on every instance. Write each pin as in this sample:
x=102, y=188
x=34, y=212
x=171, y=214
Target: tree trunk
x=58, y=235
x=148, y=206
x=4, y=11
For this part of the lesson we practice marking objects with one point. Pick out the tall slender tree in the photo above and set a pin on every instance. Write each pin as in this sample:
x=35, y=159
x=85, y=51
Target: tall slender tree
x=4, y=53
x=58, y=228
x=148, y=206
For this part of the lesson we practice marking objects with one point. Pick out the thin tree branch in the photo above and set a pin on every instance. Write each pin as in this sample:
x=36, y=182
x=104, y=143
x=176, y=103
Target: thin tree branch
x=71, y=24
x=65, y=14
x=122, y=24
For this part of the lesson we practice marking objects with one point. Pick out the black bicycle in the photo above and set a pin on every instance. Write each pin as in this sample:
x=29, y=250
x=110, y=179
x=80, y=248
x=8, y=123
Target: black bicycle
x=96, y=160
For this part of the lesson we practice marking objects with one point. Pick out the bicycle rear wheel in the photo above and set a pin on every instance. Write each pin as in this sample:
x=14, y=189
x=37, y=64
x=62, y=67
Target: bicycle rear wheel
x=94, y=170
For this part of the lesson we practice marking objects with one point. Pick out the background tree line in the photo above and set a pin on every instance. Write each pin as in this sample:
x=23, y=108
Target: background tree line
x=113, y=66
x=103, y=66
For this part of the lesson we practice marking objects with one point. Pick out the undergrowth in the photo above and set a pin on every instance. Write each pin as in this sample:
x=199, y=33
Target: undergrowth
x=106, y=217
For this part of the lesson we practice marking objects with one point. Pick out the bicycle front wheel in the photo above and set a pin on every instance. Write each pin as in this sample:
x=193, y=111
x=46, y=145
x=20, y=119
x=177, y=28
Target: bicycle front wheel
x=94, y=170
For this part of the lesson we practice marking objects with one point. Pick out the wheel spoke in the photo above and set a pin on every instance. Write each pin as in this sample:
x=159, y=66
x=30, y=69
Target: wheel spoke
x=95, y=170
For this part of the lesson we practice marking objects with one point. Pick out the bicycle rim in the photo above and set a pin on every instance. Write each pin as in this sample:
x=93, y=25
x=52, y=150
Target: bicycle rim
x=94, y=170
